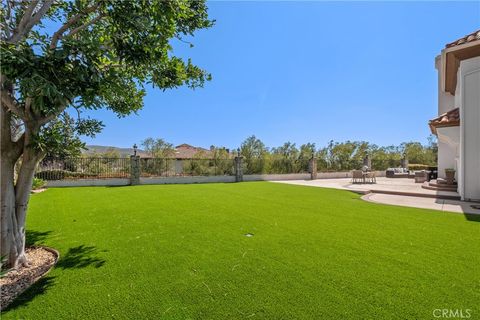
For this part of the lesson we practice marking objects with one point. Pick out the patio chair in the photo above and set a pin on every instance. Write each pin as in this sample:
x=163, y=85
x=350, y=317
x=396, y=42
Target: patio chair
x=421, y=176
x=357, y=176
x=371, y=177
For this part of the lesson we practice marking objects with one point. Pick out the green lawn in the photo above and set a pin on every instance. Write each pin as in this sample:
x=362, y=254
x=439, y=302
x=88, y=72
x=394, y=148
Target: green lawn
x=180, y=252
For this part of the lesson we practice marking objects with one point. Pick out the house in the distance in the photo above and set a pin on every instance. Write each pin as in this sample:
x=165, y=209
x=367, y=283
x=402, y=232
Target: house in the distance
x=187, y=155
x=457, y=125
x=186, y=151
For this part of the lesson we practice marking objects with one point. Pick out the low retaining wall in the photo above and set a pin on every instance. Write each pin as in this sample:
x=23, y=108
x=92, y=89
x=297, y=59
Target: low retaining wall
x=87, y=182
x=273, y=177
x=199, y=179
x=187, y=180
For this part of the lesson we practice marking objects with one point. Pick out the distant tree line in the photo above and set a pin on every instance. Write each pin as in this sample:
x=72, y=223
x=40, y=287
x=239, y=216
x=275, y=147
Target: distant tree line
x=336, y=156
x=288, y=158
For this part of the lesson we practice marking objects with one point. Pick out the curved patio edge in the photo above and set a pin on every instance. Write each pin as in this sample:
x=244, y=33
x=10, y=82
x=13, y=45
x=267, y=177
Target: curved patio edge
x=446, y=205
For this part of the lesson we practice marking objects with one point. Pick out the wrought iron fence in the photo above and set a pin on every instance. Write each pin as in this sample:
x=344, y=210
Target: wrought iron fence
x=275, y=166
x=356, y=164
x=339, y=165
x=383, y=164
x=104, y=168
x=83, y=168
x=161, y=167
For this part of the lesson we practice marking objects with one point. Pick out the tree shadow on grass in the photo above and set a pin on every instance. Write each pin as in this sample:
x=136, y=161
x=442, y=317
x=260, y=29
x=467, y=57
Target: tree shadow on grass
x=472, y=217
x=37, y=289
x=33, y=237
x=81, y=257
x=76, y=258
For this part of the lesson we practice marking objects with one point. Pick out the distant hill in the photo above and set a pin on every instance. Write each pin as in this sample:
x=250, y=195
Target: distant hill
x=183, y=151
x=123, y=152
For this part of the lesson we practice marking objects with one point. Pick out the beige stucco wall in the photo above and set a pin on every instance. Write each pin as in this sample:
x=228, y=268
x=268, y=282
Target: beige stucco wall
x=88, y=182
x=467, y=98
x=448, y=138
x=187, y=180
x=448, y=149
x=446, y=101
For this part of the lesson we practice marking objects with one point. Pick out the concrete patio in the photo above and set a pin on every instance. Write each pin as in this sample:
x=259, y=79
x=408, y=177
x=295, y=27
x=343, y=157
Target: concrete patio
x=397, y=191
x=424, y=203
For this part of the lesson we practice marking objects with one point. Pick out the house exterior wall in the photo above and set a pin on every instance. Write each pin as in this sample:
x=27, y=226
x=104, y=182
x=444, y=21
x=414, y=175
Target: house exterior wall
x=448, y=149
x=446, y=101
x=467, y=97
x=449, y=137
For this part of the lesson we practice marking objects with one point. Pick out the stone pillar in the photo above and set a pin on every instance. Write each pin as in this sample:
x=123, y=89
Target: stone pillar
x=312, y=166
x=404, y=162
x=367, y=162
x=238, y=169
x=134, y=170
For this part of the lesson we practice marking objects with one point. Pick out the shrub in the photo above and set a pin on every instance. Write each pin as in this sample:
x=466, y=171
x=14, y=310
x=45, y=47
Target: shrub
x=50, y=175
x=63, y=174
x=69, y=174
x=417, y=167
x=37, y=183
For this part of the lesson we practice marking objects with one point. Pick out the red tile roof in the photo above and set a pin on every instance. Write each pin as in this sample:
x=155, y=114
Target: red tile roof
x=468, y=38
x=186, y=151
x=448, y=119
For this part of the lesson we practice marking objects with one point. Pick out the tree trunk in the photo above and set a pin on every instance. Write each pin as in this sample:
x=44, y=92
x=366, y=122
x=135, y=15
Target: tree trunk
x=23, y=187
x=15, y=196
x=10, y=237
x=12, y=233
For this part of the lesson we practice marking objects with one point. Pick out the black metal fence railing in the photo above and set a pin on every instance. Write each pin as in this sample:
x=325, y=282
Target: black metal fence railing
x=339, y=165
x=356, y=164
x=384, y=164
x=275, y=166
x=83, y=168
x=104, y=168
x=161, y=167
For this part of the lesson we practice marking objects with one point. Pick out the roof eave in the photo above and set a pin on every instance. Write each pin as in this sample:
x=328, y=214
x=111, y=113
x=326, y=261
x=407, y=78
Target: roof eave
x=451, y=58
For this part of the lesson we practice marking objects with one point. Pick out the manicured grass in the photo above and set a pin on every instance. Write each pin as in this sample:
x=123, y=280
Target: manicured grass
x=180, y=252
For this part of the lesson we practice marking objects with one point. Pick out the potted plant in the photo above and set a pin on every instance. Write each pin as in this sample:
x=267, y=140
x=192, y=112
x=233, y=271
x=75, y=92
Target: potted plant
x=450, y=175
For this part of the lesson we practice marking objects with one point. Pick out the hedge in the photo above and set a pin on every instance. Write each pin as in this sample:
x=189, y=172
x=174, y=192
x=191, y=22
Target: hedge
x=62, y=174
x=417, y=167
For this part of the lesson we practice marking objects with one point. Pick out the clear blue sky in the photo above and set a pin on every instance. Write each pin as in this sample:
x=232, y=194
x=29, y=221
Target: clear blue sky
x=305, y=72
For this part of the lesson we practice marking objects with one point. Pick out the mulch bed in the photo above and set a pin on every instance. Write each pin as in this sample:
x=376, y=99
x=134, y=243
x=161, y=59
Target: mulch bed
x=39, y=190
x=41, y=260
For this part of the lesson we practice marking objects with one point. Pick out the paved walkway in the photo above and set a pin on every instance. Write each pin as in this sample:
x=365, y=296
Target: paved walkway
x=403, y=186
x=424, y=203
x=397, y=191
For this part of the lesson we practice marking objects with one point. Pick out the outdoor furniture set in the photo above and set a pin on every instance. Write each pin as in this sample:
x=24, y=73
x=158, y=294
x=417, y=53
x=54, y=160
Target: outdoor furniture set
x=398, y=173
x=361, y=176
x=420, y=176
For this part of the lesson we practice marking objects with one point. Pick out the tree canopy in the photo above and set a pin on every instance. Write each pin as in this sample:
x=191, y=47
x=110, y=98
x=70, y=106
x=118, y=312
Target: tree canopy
x=158, y=148
x=101, y=55
x=335, y=156
x=60, y=58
